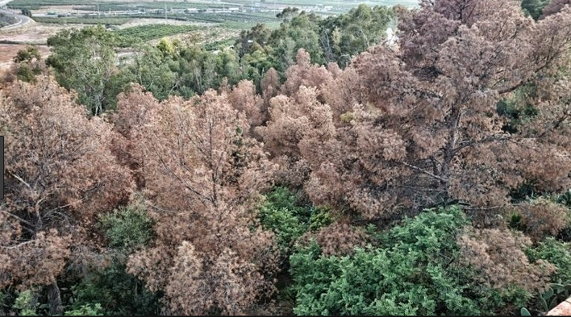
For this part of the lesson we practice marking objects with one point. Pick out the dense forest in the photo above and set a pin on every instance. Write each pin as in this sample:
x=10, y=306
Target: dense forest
x=312, y=169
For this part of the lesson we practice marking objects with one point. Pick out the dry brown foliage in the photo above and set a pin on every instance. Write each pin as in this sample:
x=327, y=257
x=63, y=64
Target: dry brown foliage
x=134, y=110
x=59, y=173
x=303, y=73
x=497, y=254
x=337, y=239
x=244, y=99
x=554, y=6
x=417, y=127
x=296, y=125
x=541, y=217
x=270, y=85
x=202, y=177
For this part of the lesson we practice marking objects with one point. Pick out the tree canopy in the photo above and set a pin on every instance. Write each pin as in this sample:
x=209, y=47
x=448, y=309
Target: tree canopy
x=314, y=169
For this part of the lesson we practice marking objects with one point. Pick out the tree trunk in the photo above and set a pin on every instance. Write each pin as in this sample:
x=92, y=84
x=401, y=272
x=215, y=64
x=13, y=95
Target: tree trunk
x=54, y=298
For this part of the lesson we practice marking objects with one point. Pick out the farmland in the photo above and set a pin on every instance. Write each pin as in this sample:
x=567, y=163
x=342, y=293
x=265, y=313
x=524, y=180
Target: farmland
x=83, y=20
x=149, y=32
x=200, y=11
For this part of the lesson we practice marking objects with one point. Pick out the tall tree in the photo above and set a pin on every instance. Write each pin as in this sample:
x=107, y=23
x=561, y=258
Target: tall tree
x=427, y=131
x=85, y=61
x=59, y=173
x=202, y=177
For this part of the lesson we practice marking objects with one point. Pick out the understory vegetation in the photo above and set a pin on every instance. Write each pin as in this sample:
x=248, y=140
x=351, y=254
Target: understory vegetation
x=317, y=168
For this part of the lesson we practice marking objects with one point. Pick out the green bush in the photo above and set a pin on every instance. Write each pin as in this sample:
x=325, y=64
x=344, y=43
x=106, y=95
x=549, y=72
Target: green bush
x=415, y=272
x=112, y=291
x=86, y=310
x=557, y=253
x=26, y=303
x=282, y=214
x=127, y=228
x=115, y=292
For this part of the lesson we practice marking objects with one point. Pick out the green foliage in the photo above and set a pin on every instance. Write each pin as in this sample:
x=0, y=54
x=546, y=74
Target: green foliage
x=128, y=228
x=86, y=310
x=84, y=20
x=27, y=12
x=517, y=108
x=173, y=69
x=335, y=39
x=557, y=253
x=282, y=214
x=112, y=291
x=27, y=55
x=413, y=273
x=26, y=73
x=258, y=35
x=143, y=33
x=28, y=63
x=565, y=199
x=349, y=34
x=85, y=61
x=26, y=303
x=555, y=295
x=533, y=8
x=320, y=217
x=115, y=292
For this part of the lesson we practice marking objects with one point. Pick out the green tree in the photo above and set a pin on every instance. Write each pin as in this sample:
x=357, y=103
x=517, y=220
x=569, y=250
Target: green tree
x=259, y=34
x=289, y=219
x=534, y=8
x=85, y=61
x=27, y=12
x=111, y=290
x=346, y=35
x=153, y=70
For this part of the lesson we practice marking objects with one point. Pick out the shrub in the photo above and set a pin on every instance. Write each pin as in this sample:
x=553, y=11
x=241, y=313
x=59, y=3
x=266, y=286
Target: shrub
x=127, y=228
x=288, y=219
x=540, y=217
x=416, y=271
x=26, y=303
x=557, y=253
x=113, y=291
x=86, y=310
